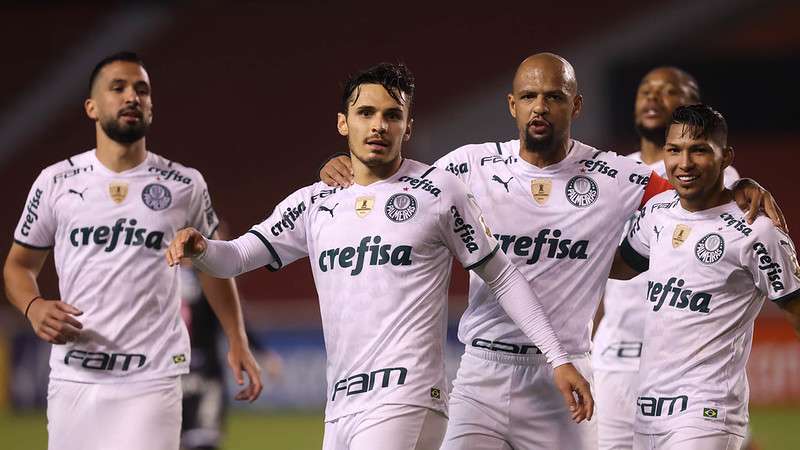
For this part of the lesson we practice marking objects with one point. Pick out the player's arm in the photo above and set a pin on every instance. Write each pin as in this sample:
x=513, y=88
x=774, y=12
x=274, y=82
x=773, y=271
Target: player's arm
x=772, y=260
x=514, y=294
x=633, y=254
x=52, y=320
x=337, y=171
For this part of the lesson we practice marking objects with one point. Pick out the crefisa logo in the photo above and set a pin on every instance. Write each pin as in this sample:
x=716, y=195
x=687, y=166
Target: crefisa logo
x=581, y=191
x=400, y=207
x=710, y=248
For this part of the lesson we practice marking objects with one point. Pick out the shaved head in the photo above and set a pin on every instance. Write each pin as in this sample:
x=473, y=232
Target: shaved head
x=547, y=65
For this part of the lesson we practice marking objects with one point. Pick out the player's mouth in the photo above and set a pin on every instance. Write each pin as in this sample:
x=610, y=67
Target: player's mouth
x=377, y=144
x=131, y=114
x=652, y=112
x=539, y=126
x=687, y=180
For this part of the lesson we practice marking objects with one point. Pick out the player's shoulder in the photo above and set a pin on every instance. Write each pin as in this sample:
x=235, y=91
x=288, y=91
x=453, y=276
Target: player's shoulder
x=434, y=180
x=662, y=203
x=604, y=161
x=762, y=229
x=462, y=158
x=173, y=171
x=69, y=167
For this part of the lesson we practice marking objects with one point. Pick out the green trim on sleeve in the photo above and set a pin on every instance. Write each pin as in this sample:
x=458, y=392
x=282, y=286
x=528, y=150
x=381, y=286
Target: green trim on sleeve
x=484, y=259
x=271, y=251
x=632, y=257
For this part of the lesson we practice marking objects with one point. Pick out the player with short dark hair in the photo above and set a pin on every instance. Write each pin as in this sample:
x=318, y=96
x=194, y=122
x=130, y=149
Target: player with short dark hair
x=107, y=214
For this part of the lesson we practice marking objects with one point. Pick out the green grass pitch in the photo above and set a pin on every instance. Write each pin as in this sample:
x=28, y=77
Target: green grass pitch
x=773, y=429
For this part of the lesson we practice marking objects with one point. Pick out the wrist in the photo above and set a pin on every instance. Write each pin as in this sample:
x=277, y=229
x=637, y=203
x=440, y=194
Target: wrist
x=28, y=307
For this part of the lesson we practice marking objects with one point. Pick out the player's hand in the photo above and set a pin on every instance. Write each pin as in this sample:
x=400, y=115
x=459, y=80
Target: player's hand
x=53, y=321
x=187, y=243
x=569, y=380
x=753, y=198
x=337, y=172
x=240, y=358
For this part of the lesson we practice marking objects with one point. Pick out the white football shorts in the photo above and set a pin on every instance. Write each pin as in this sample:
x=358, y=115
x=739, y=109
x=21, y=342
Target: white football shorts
x=615, y=396
x=387, y=427
x=688, y=438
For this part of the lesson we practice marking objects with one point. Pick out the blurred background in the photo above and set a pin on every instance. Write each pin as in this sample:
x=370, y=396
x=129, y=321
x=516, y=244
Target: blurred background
x=247, y=92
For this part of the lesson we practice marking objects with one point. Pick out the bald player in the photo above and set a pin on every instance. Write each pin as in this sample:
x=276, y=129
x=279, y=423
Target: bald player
x=557, y=207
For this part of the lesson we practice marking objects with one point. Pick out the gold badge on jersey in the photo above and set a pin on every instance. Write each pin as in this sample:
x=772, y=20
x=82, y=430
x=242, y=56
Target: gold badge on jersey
x=486, y=228
x=680, y=235
x=118, y=191
x=540, y=189
x=364, y=205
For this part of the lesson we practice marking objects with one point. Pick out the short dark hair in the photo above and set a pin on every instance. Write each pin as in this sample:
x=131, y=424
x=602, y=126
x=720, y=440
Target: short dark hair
x=701, y=120
x=395, y=78
x=119, y=56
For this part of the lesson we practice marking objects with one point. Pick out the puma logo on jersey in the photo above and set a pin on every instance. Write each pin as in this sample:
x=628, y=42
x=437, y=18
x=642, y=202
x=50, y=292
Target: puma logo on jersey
x=679, y=298
x=654, y=406
x=737, y=224
x=554, y=247
x=32, y=209
x=79, y=194
x=770, y=268
x=326, y=209
x=365, y=382
x=500, y=180
x=373, y=255
x=118, y=234
x=170, y=174
x=599, y=166
x=288, y=219
x=457, y=168
x=463, y=230
x=421, y=183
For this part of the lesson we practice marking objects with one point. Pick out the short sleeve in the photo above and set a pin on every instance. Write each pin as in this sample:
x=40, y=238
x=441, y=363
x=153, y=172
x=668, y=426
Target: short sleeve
x=772, y=260
x=632, y=180
x=37, y=225
x=456, y=163
x=201, y=213
x=284, y=232
x=635, y=248
x=731, y=176
x=463, y=228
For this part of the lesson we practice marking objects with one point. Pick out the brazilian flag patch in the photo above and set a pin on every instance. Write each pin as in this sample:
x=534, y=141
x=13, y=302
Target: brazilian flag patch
x=710, y=413
x=177, y=359
x=436, y=394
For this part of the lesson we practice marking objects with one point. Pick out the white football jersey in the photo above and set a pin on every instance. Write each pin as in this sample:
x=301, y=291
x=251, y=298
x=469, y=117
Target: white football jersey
x=618, y=341
x=108, y=232
x=709, y=274
x=560, y=225
x=381, y=257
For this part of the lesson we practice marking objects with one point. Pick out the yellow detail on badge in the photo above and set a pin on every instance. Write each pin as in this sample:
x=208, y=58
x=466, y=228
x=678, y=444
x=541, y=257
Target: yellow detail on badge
x=118, y=191
x=364, y=205
x=540, y=189
x=436, y=394
x=177, y=359
x=680, y=235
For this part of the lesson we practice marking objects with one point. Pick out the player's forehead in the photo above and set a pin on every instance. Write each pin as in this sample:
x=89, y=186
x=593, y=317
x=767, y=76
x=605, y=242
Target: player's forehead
x=542, y=77
x=663, y=77
x=684, y=136
x=125, y=71
x=376, y=96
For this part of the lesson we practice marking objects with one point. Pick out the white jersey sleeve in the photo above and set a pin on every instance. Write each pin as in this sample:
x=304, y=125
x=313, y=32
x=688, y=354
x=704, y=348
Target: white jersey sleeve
x=284, y=232
x=37, y=225
x=632, y=180
x=462, y=226
x=456, y=162
x=201, y=212
x=635, y=248
x=772, y=261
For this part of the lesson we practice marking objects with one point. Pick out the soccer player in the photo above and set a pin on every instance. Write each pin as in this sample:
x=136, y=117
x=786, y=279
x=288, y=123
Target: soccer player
x=108, y=213
x=558, y=207
x=709, y=272
x=618, y=341
x=381, y=256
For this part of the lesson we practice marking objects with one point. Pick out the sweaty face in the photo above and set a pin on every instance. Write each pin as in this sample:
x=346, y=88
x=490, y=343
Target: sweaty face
x=543, y=106
x=695, y=166
x=375, y=125
x=121, y=103
x=659, y=93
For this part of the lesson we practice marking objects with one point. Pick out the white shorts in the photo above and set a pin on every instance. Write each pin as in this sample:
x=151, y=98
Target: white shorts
x=387, y=427
x=688, y=438
x=615, y=396
x=506, y=401
x=143, y=415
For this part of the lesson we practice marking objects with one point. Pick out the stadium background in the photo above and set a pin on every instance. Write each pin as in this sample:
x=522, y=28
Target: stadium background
x=248, y=92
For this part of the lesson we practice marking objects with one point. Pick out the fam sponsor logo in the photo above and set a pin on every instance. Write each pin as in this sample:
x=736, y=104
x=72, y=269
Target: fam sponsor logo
x=457, y=168
x=288, y=219
x=31, y=212
x=72, y=172
x=421, y=183
x=105, y=361
x=598, y=166
x=737, y=224
x=170, y=174
x=463, y=230
x=324, y=193
x=679, y=298
x=117, y=234
x=365, y=382
x=495, y=159
x=710, y=248
x=581, y=191
x=369, y=252
x=658, y=406
x=770, y=268
x=552, y=247
x=498, y=346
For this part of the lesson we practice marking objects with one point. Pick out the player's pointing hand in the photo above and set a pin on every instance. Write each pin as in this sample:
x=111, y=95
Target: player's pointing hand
x=187, y=243
x=569, y=380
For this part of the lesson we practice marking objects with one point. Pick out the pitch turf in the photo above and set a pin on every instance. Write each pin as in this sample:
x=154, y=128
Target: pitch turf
x=772, y=427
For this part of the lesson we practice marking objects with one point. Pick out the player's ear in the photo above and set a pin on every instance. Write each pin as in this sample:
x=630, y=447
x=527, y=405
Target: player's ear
x=341, y=124
x=90, y=107
x=511, y=105
x=407, y=134
x=577, y=104
x=727, y=157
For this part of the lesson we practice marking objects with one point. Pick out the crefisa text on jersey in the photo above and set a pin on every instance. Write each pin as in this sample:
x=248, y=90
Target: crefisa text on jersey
x=680, y=299
x=132, y=236
x=769, y=267
x=421, y=183
x=463, y=230
x=32, y=216
x=737, y=224
x=556, y=248
x=170, y=174
x=379, y=255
